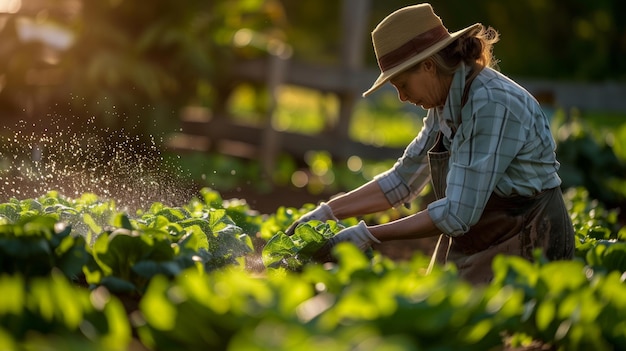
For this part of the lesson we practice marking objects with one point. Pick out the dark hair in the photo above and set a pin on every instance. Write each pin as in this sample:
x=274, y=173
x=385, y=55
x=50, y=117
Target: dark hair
x=475, y=48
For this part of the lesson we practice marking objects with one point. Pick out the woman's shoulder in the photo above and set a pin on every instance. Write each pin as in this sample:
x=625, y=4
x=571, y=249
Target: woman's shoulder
x=494, y=87
x=494, y=94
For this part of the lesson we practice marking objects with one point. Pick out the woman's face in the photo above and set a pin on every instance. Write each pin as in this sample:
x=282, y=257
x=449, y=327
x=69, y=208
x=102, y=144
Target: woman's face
x=422, y=86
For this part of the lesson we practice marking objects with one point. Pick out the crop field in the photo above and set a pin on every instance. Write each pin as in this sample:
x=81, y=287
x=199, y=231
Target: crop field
x=79, y=273
x=105, y=244
x=108, y=243
x=115, y=238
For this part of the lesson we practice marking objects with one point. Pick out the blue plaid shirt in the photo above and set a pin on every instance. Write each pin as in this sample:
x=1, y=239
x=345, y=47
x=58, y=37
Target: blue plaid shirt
x=499, y=141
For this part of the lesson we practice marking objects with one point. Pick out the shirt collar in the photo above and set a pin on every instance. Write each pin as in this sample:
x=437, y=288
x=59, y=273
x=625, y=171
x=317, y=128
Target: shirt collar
x=449, y=116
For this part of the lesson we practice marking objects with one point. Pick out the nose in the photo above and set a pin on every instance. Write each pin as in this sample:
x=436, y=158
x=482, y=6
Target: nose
x=402, y=95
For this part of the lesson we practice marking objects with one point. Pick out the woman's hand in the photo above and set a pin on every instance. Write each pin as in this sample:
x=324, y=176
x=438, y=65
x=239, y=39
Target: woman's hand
x=323, y=212
x=359, y=235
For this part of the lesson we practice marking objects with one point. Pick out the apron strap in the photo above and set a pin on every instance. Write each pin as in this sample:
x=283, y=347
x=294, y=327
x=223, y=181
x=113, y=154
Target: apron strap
x=438, y=157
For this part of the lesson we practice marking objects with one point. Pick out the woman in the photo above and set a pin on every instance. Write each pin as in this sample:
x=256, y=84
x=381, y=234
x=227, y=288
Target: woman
x=485, y=145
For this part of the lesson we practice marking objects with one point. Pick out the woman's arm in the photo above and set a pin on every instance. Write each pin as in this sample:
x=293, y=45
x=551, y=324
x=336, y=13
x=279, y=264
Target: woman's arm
x=415, y=226
x=366, y=199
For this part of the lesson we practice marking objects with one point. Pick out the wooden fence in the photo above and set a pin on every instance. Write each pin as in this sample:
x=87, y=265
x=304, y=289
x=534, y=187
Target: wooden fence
x=205, y=130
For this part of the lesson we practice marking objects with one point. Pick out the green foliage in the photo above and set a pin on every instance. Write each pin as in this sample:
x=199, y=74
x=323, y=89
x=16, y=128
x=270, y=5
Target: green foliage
x=282, y=219
x=51, y=313
x=165, y=241
x=296, y=250
x=565, y=303
x=125, y=261
x=124, y=60
x=35, y=245
x=182, y=268
x=124, y=253
x=601, y=239
x=589, y=161
x=387, y=304
x=562, y=33
x=238, y=210
x=207, y=311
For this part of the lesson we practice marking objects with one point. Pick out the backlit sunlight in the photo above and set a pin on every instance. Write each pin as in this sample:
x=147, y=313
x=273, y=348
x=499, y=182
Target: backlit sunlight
x=10, y=6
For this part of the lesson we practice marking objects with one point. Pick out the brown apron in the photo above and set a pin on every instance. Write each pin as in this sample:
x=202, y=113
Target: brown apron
x=514, y=225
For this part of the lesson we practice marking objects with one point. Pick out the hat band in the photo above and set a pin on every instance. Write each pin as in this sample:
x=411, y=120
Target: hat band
x=412, y=47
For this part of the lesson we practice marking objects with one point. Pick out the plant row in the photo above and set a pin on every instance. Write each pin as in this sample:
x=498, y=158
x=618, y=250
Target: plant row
x=215, y=274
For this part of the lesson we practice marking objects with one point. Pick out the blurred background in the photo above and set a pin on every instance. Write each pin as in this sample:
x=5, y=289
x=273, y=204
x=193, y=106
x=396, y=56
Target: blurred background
x=261, y=99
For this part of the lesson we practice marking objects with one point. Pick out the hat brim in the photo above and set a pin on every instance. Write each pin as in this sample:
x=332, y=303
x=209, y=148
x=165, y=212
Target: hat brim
x=384, y=77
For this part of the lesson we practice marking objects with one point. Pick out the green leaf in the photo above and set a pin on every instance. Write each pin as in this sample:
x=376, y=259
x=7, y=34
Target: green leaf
x=11, y=289
x=124, y=250
x=202, y=225
x=10, y=211
x=279, y=246
x=31, y=205
x=37, y=226
x=218, y=220
x=158, y=311
x=156, y=207
x=307, y=233
x=211, y=198
x=91, y=223
x=99, y=249
x=308, y=240
x=196, y=238
x=562, y=276
x=161, y=249
x=614, y=258
x=121, y=220
x=31, y=248
x=173, y=214
x=621, y=234
x=72, y=255
x=546, y=313
x=158, y=221
x=118, y=285
x=150, y=268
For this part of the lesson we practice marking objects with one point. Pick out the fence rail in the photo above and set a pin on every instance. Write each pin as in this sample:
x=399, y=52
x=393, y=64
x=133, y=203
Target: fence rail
x=201, y=130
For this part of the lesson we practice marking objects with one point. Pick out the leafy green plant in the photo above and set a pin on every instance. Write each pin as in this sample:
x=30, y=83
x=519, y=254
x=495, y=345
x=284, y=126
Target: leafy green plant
x=202, y=311
x=376, y=303
x=36, y=245
x=601, y=240
x=565, y=303
x=298, y=249
x=182, y=265
x=52, y=313
x=238, y=210
x=608, y=255
x=124, y=261
x=590, y=161
x=282, y=219
x=164, y=241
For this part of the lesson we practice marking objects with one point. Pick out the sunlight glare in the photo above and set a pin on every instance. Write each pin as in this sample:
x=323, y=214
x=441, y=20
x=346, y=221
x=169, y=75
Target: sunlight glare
x=10, y=6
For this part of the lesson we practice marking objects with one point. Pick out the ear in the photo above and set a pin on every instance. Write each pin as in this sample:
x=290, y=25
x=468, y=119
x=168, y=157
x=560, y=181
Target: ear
x=429, y=66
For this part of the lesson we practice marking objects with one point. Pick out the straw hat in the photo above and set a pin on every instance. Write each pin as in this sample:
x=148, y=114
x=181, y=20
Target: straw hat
x=408, y=36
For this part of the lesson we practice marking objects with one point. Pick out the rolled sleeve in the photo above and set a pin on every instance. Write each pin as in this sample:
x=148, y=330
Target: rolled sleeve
x=483, y=149
x=501, y=143
x=410, y=174
x=444, y=220
x=394, y=188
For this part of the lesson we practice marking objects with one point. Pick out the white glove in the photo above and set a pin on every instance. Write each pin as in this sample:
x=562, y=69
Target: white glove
x=359, y=235
x=320, y=213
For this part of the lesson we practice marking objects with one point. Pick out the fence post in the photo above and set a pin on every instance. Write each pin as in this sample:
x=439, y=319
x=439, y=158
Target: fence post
x=278, y=59
x=355, y=18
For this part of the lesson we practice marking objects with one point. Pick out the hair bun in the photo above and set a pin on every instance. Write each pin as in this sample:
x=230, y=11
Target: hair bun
x=471, y=48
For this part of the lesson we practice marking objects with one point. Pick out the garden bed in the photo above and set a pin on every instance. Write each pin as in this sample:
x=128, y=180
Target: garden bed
x=171, y=278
